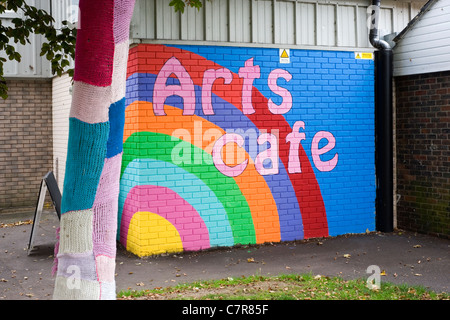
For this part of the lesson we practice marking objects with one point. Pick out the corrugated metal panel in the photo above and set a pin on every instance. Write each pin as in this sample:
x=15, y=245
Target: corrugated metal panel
x=306, y=23
x=326, y=23
x=347, y=25
x=425, y=47
x=285, y=22
x=240, y=12
x=262, y=21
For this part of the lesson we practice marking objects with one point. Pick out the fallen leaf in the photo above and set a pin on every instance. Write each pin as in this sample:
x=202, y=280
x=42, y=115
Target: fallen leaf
x=418, y=274
x=347, y=256
x=249, y=260
x=417, y=246
x=383, y=273
x=140, y=284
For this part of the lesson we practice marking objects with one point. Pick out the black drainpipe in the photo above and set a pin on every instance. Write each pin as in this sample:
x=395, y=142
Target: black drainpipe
x=383, y=128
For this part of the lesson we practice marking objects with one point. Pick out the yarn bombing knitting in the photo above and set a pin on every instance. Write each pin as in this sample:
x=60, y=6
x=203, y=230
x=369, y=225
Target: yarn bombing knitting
x=85, y=254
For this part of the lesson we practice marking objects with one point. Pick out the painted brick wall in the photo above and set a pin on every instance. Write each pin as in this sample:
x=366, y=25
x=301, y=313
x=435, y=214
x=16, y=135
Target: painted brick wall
x=423, y=158
x=25, y=141
x=227, y=145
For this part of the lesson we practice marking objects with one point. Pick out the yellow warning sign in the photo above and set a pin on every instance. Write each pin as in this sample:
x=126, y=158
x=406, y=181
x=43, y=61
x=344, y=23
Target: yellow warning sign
x=285, y=56
x=364, y=55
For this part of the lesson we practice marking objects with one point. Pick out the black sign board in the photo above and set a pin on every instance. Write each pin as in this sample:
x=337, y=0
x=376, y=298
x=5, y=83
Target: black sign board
x=48, y=183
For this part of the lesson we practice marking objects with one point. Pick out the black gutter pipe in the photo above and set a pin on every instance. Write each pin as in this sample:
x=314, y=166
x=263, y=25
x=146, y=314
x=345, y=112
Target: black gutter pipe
x=383, y=127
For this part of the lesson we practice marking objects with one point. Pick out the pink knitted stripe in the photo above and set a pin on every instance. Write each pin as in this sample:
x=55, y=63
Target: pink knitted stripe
x=123, y=11
x=108, y=187
x=94, y=53
x=106, y=207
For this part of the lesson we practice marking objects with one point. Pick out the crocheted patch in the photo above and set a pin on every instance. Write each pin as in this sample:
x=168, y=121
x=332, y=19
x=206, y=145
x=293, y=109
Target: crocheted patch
x=80, y=265
x=90, y=103
x=117, y=122
x=76, y=289
x=105, y=268
x=96, y=37
x=123, y=11
x=105, y=228
x=77, y=225
x=85, y=157
x=107, y=290
x=109, y=184
x=119, y=77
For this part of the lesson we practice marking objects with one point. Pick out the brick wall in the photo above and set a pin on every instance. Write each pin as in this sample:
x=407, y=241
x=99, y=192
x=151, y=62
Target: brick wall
x=25, y=142
x=423, y=155
x=233, y=145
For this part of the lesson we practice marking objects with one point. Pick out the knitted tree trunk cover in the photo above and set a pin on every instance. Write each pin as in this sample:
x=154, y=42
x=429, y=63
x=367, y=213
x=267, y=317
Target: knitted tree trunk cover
x=86, y=252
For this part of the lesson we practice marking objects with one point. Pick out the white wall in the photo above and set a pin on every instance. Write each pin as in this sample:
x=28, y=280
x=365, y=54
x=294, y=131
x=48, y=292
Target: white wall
x=426, y=46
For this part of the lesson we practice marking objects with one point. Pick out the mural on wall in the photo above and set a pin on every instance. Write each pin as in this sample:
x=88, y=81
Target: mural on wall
x=231, y=145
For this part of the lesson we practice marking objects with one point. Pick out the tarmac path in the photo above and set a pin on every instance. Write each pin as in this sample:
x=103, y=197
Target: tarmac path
x=403, y=257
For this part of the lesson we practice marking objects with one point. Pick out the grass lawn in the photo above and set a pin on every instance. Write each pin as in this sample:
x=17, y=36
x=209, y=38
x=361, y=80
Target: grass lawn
x=284, y=287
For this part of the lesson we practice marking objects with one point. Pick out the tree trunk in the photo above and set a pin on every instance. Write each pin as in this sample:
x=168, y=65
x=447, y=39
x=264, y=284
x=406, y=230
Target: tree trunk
x=86, y=253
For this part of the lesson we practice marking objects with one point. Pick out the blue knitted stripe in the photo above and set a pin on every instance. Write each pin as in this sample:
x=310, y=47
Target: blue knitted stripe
x=85, y=159
x=117, y=122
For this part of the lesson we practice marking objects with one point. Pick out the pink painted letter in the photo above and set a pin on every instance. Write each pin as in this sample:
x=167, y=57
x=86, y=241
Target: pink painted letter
x=286, y=104
x=209, y=77
x=217, y=157
x=294, y=138
x=316, y=152
x=271, y=153
x=185, y=89
x=248, y=73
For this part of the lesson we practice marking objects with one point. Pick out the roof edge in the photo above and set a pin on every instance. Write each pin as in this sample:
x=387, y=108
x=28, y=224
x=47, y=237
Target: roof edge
x=409, y=26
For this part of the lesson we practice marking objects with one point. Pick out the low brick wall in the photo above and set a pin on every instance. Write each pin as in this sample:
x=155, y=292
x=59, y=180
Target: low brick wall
x=25, y=141
x=423, y=155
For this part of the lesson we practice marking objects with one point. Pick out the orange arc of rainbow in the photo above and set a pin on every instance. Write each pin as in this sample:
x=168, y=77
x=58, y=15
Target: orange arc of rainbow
x=139, y=116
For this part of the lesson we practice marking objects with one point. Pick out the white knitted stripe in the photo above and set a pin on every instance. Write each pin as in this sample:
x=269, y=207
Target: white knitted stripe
x=105, y=268
x=73, y=288
x=119, y=76
x=108, y=290
x=78, y=226
x=90, y=103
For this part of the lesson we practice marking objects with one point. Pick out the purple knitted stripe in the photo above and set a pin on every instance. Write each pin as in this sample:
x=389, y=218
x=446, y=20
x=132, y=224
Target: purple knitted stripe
x=123, y=11
x=77, y=266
